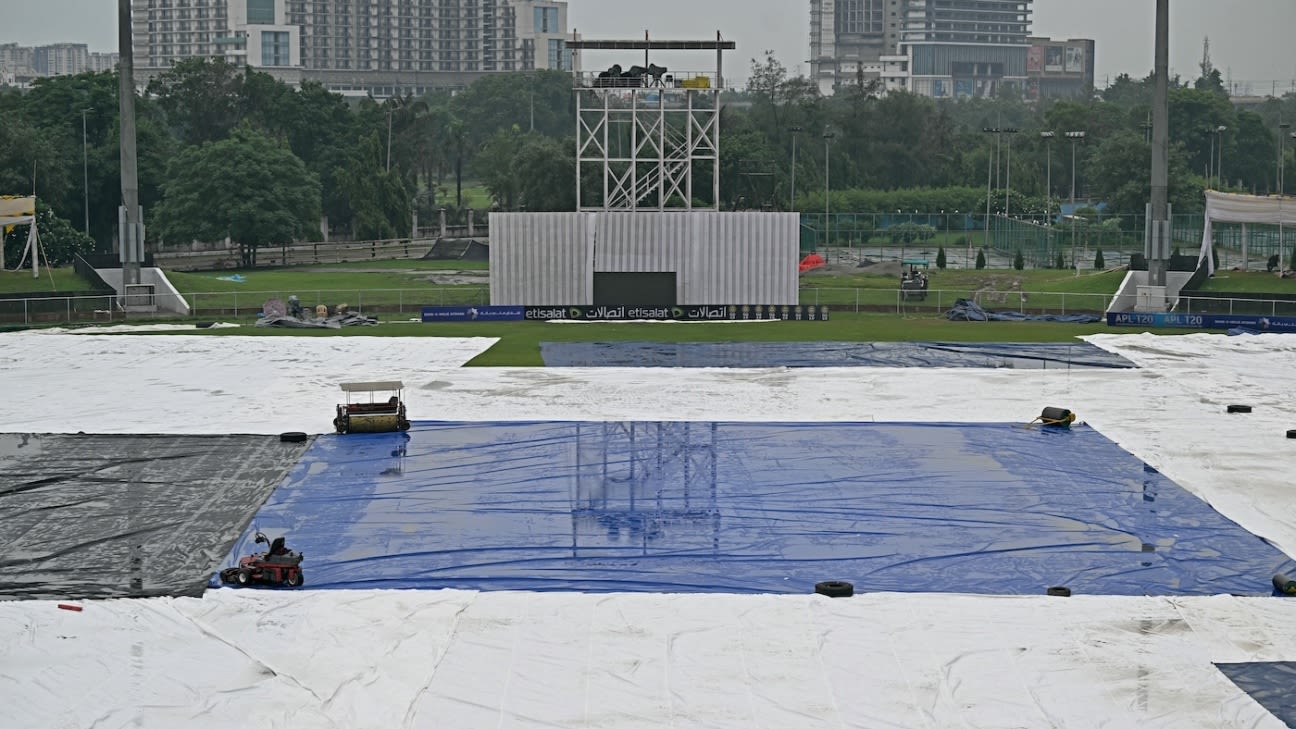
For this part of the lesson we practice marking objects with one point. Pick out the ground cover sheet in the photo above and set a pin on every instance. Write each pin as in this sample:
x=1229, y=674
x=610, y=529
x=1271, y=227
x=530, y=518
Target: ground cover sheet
x=127, y=515
x=830, y=354
x=753, y=508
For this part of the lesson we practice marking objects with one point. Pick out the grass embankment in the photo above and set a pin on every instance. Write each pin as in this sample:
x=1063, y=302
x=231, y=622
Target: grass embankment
x=1053, y=290
x=63, y=279
x=1250, y=282
x=410, y=283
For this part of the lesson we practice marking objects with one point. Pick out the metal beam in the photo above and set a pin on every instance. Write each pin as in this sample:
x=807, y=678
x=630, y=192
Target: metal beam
x=651, y=45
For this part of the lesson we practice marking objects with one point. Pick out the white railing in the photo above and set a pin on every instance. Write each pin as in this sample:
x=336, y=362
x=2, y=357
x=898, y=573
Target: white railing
x=207, y=305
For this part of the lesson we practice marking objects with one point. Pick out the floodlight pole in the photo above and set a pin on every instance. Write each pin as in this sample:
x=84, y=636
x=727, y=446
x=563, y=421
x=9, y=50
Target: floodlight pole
x=828, y=136
x=1157, y=248
x=85, y=170
x=796, y=131
x=1048, y=190
x=131, y=226
x=1282, y=191
x=992, y=166
x=1008, y=171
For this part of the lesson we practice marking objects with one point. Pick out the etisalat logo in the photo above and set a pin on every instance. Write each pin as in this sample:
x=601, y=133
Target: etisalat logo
x=631, y=313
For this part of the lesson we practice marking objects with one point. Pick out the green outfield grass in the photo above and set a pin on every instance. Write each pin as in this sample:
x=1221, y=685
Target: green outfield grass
x=64, y=279
x=373, y=285
x=401, y=264
x=519, y=344
x=1249, y=282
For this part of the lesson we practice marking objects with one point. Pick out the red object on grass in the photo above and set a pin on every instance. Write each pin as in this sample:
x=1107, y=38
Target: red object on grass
x=811, y=262
x=73, y=608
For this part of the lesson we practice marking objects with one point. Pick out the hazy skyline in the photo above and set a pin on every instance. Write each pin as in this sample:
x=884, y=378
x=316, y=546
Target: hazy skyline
x=1249, y=38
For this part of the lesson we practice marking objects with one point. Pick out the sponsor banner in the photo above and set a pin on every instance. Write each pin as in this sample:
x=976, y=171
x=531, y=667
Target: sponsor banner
x=1035, y=59
x=473, y=313
x=677, y=313
x=1075, y=59
x=1284, y=324
x=1054, y=58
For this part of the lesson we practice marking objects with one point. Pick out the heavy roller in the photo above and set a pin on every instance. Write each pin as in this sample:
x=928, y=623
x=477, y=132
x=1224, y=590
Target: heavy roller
x=372, y=407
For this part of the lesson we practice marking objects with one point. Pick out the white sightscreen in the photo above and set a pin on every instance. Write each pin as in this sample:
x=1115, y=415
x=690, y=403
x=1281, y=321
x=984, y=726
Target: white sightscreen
x=541, y=259
x=548, y=259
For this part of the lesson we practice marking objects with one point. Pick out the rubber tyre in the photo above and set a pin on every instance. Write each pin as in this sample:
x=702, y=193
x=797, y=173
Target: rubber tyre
x=834, y=588
x=1059, y=592
x=1239, y=408
x=292, y=437
x=295, y=579
x=243, y=577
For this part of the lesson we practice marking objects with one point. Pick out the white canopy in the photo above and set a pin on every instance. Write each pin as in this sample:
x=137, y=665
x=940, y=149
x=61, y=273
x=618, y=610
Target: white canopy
x=1224, y=207
x=19, y=211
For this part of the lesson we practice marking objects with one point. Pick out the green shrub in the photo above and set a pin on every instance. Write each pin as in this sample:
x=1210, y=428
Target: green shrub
x=981, y=259
x=1099, y=264
x=1019, y=261
x=940, y=258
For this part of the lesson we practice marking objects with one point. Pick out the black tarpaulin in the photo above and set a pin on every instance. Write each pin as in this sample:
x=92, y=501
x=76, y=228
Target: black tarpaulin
x=98, y=516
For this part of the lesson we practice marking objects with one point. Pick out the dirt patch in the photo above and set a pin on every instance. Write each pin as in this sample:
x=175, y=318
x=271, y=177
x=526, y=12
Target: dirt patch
x=839, y=270
x=459, y=278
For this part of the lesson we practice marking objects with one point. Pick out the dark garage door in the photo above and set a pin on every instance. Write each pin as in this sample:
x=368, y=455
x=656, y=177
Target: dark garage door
x=634, y=289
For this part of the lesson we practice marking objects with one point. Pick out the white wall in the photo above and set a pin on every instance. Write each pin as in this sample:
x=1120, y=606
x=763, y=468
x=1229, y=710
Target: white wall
x=541, y=259
x=167, y=298
x=549, y=259
x=1126, y=298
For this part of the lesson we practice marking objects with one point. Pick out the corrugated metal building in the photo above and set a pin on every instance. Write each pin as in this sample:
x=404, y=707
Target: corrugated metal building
x=613, y=258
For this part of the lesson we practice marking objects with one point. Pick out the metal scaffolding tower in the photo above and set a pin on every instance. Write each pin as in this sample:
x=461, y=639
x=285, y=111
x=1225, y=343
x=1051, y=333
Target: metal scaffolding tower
x=647, y=138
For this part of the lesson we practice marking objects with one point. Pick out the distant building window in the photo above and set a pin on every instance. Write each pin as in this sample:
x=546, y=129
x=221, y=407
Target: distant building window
x=260, y=12
x=558, y=60
x=274, y=48
x=546, y=20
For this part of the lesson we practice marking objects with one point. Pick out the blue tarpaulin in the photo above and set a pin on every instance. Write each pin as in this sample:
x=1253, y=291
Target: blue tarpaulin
x=828, y=354
x=752, y=508
x=1270, y=684
x=967, y=310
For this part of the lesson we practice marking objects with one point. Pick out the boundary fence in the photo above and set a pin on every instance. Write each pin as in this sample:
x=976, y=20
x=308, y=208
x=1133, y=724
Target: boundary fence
x=1075, y=239
x=245, y=304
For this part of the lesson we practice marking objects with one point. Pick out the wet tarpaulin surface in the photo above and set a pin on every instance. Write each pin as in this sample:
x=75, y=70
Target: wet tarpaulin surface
x=96, y=516
x=753, y=508
x=1270, y=684
x=828, y=354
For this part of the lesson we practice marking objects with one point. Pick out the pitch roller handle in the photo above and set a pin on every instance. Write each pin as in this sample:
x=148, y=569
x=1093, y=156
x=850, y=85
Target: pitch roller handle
x=1284, y=584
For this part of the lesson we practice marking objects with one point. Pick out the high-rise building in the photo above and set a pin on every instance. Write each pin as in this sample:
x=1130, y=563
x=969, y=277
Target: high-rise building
x=848, y=39
x=966, y=48
x=60, y=59
x=378, y=47
x=1059, y=68
x=20, y=65
x=16, y=61
x=938, y=48
x=254, y=33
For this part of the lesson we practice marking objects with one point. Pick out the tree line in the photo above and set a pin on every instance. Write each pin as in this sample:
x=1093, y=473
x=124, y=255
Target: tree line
x=228, y=151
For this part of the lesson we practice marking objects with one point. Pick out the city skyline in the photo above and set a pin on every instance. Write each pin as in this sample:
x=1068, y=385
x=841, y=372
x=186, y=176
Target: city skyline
x=1247, y=39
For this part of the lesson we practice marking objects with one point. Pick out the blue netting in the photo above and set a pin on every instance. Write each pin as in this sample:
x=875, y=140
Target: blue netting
x=828, y=354
x=753, y=508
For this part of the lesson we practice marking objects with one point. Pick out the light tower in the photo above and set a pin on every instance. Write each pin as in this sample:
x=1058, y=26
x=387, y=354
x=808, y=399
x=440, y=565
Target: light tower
x=648, y=133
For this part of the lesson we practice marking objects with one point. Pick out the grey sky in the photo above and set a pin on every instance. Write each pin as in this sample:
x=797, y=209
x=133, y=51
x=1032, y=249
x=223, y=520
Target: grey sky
x=1249, y=38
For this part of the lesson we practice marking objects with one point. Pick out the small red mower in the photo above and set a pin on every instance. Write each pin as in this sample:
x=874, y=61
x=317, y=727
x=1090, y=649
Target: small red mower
x=278, y=565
